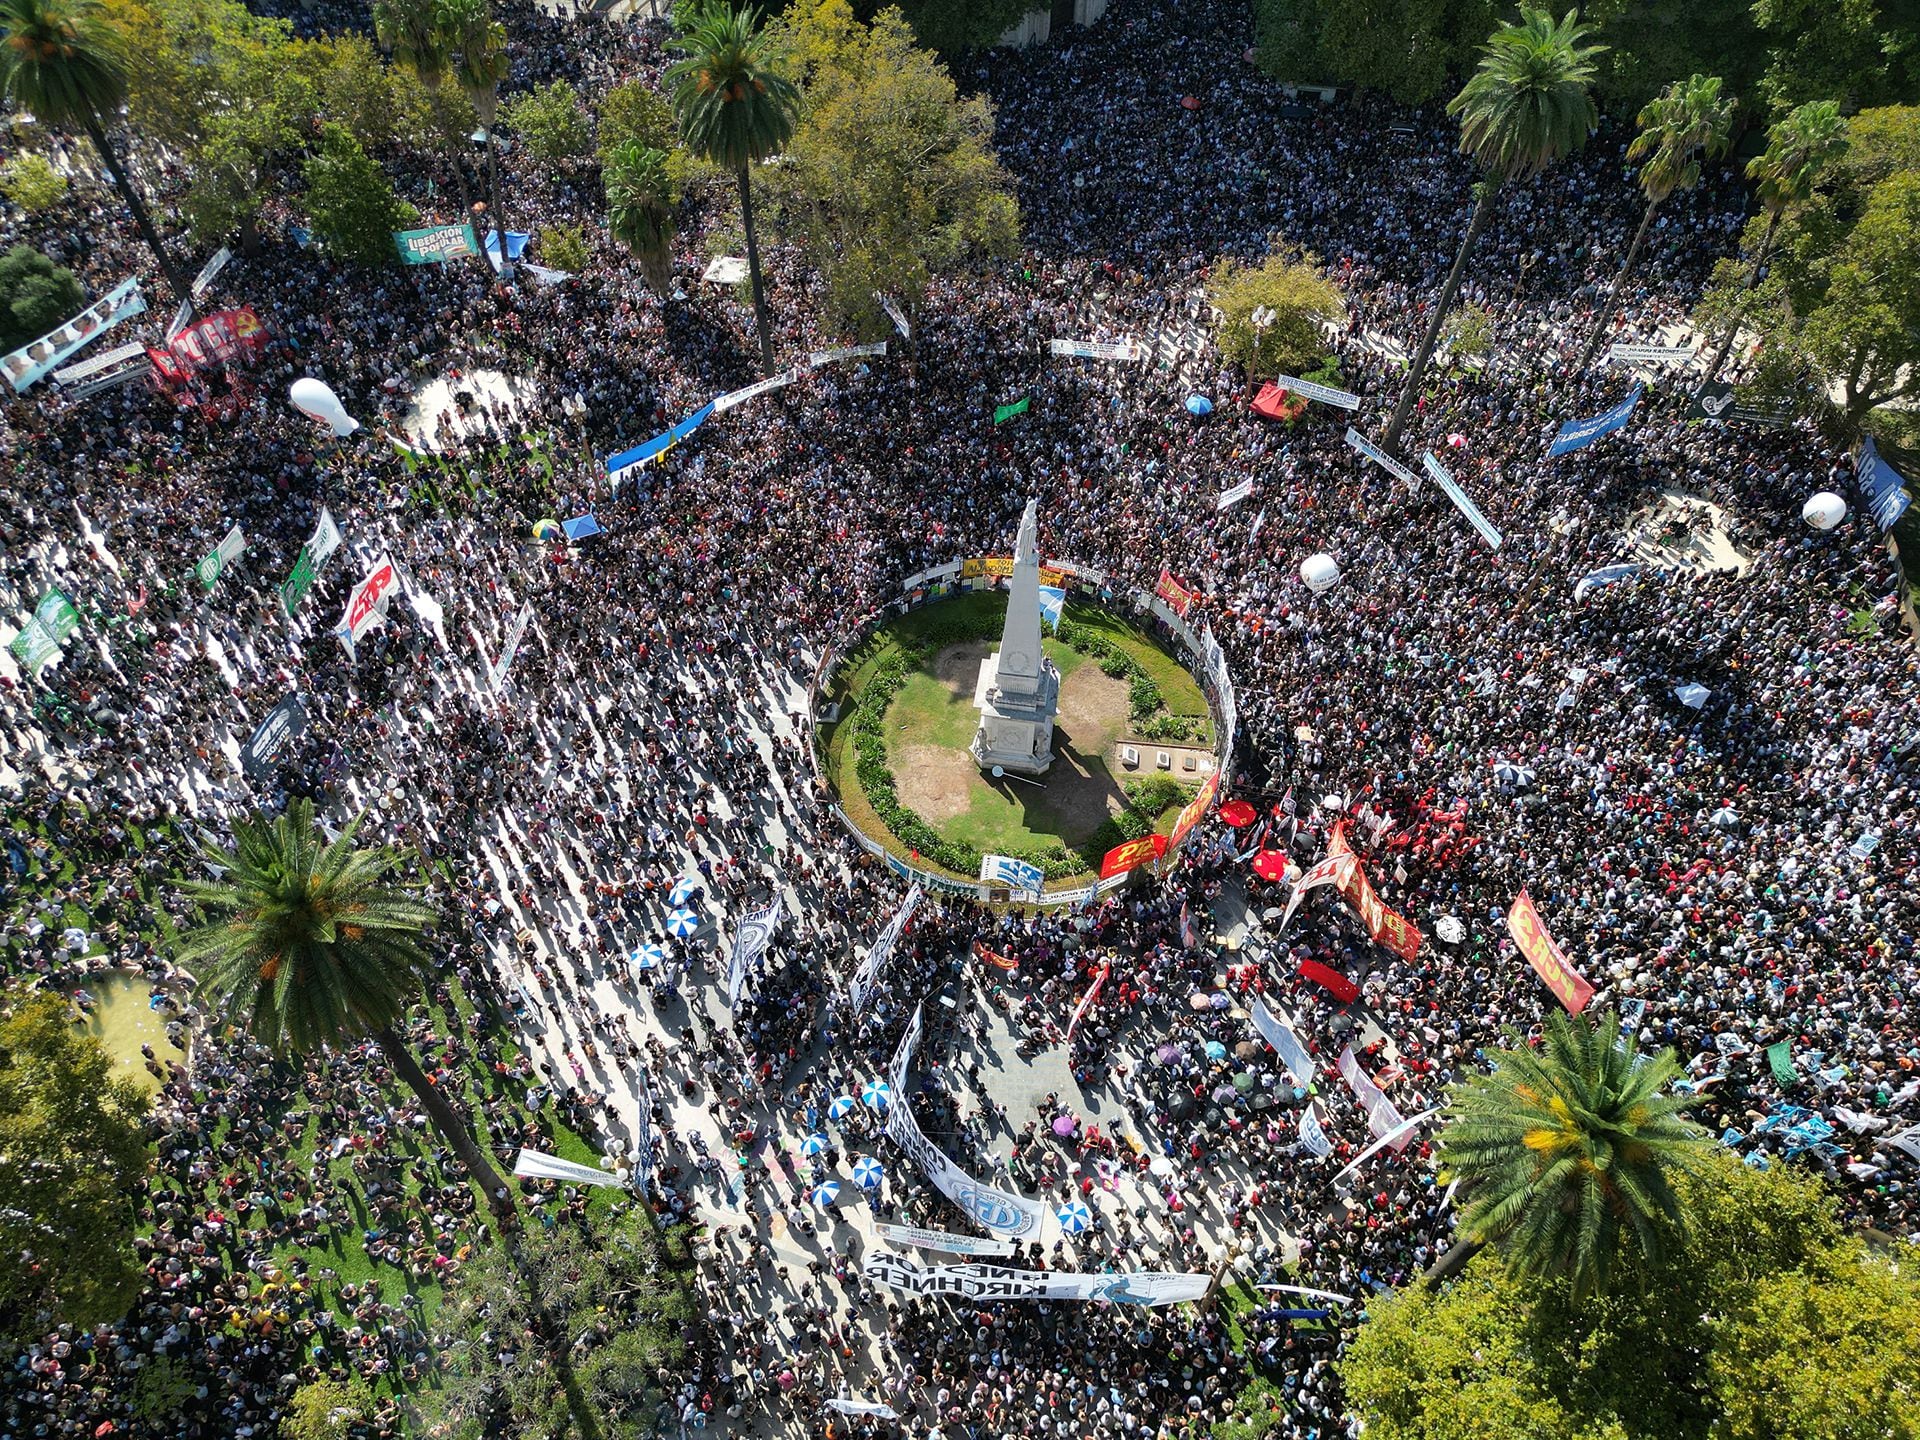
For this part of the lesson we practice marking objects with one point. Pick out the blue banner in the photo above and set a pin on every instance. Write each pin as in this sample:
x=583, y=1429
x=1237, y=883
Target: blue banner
x=580, y=527
x=1576, y=433
x=1885, y=488
x=1052, y=600
x=516, y=243
x=621, y=465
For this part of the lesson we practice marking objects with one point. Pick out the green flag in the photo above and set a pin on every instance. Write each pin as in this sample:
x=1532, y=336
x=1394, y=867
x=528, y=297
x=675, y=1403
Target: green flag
x=1007, y=412
x=1780, y=1058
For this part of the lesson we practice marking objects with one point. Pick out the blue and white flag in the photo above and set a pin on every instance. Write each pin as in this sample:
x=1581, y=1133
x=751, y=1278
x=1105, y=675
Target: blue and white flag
x=1277, y=1033
x=643, y=1133
x=1014, y=874
x=627, y=461
x=1461, y=500
x=863, y=978
x=750, y=942
x=1313, y=1135
x=1883, y=486
x=1576, y=433
x=1605, y=575
x=1053, y=599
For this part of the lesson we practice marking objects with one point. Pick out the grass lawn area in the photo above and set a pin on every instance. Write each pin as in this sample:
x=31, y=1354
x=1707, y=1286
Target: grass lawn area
x=1180, y=693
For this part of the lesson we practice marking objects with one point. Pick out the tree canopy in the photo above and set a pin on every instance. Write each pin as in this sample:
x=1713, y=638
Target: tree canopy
x=35, y=296
x=351, y=202
x=1291, y=298
x=73, y=1156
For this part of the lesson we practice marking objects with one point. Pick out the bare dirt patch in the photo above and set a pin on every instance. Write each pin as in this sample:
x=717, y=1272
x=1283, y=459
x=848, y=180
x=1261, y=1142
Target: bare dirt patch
x=959, y=665
x=935, y=782
x=1093, y=707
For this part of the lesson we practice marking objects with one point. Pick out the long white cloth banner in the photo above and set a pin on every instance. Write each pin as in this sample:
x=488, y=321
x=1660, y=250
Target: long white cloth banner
x=1000, y=1211
x=515, y=633
x=732, y=398
x=1309, y=1291
x=945, y=1240
x=1313, y=1135
x=1279, y=1034
x=863, y=978
x=1002, y=1282
x=1461, y=500
x=27, y=364
x=1396, y=1137
x=535, y=1165
x=119, y=355
x=750, y=942
x=1230, y=498
x=1099, y=349
x=1648, y=354
x=1382, y=1118
x=1380, y=457
x=1324, y=873
x=1326, y=395
x=864, y=1407
x=845, y=352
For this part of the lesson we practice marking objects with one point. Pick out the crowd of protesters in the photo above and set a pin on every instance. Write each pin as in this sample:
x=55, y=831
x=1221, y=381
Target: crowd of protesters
x=1730, y=876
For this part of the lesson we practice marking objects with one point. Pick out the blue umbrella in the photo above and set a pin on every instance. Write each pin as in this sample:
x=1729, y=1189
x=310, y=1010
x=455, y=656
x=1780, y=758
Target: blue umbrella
x=649, y=956
x=875, y=1094
x=684, y=889
x=840, y=1105
x=1215, y=1050
x=1199, y=405
x=1074, y=1216
x=815, y=1144
x=682, y=923
x=867, y=1173
x=825, y=1195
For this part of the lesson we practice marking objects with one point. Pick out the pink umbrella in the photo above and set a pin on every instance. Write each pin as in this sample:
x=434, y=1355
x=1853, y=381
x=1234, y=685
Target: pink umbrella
x=1064, y=1125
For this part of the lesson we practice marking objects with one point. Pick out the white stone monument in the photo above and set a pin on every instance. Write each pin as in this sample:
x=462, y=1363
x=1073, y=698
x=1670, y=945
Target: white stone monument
x=1018, y=693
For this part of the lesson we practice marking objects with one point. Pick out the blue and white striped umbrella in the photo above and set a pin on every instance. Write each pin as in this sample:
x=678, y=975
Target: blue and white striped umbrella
x=815, y=1145
x=650, y=956
x=682, y=923
x=875, y=1094
x=684, y=889
x=1074, y=1216
x=825, y=1195
x=867, y=1173
x=840, y=1105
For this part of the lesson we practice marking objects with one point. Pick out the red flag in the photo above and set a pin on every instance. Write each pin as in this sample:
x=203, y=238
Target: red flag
x=1330, y=980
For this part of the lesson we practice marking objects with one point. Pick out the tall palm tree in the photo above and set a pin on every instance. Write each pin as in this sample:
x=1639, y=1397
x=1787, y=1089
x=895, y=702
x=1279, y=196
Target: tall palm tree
x=309, y=943
x=1684, y=124
x=480, y=64
x=735, y=105
x=640, y=208
x=1564, y=1154
x=1798, y=147
x=61, y=60
x=413, y=33
x=1525, y=108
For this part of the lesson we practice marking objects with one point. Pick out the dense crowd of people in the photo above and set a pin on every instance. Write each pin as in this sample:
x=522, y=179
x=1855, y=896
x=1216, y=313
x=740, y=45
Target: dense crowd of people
x=1730, y=876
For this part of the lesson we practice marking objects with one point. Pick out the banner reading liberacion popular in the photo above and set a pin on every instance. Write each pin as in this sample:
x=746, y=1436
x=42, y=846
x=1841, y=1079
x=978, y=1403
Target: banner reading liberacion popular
x=1386, y=927
x=1548, y=960
x=436, y=244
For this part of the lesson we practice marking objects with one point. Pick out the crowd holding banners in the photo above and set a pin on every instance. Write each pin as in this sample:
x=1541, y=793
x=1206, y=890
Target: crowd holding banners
x=1549, y=962
x=37, y=358
x=1390, y=929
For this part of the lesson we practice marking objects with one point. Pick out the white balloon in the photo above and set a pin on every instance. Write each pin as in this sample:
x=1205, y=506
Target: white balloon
x=1320, y=572
x=1824, y=511
x=316, y=398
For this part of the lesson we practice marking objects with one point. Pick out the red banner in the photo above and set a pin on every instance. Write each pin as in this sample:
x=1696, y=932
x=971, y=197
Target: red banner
x=1384, y=925
x=1000, y=961
x=1548, y=960
x=1196, y=807
x=1081, y=1009
x=1130, y=854
x=1330, y=980
x=217, y=338
x=1179, y=599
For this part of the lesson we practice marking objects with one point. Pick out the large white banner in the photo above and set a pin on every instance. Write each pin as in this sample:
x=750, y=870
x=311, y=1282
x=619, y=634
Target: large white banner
x=1461, y=500
x=945, y=1240
x=1229, y=498
x=750, y=942
x=1279, y=1034
x=869, y=971
x=1324, y=873
x=515, y=633
x=1382, y=1118
x=367, y=606
x=534, y=1164
x=863, y=1407
x=1099, y=349
x=27, y=364
x=846, y=352
x=1001, y=1282
x=1649, y=354
x=1326, y=395
x=1014, y=874
x=1386, y=462
x=1397, y=1137
x=732, y=398
x=1000, y=1211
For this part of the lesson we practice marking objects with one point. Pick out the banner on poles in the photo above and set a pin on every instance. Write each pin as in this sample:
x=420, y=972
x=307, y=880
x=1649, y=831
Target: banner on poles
x=1649, y=354
x=620, y=466
x=1717, y=400
x=863, y=1407
x=1313, y=1135
x=1275, y=1030
x=1383, y=1119
x=1230, y=498
x=31, y=361
x=209, y=570
x=1359, y=442
x=1329, y=980
x=726, y=402
x=532, y=1164
x=1004, y=413
x=306, y=565
x=1386, y=927
x=436, y=244
x=1194, y=809
x=1884, y=487
x=845, y=352
x=1549, y=962
x=1001, y=1282
x=876, y=958
x=944, y=1240
x=367, y=606
x=1576, y=433
x=214, y=340
x=1178, y=597
x=1326, y=395
x=210, y=272
x=38, y=644
x=895, y=314
x=516, y=632
x=750, y=942
x=1099, y=349
x=1323, y=872
x=1014, y=874
x=285, y=723
x=1086, y=1001
x=1461, y=500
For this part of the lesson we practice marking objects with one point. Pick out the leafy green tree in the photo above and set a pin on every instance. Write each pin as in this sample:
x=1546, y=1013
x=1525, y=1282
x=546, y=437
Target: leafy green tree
x=415, y=33
x=1652, y=43
x=1468, y=333
x=32, y=183
x=890, y=176
x=1271, y=315
x=564, y=247
x=1799, y=146
x=1860, y=53
x=1767, y=1320
x=635, y=111
x=950, y=25
x=35, y=296
x=327, y=1410
x=735, y=107
x=61, y=60
x=1564, y=1154
x=1686, y=123
x=1402, y=48
x=310, y=943
x=352, y=86
x=160, y=1388
x=640, y=209
x=551, y=122
x=1526, y=107
x=478, y=46
x=73, y=1158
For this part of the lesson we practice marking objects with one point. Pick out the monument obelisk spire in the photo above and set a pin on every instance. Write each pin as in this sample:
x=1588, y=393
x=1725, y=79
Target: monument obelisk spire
x=1018, y=692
